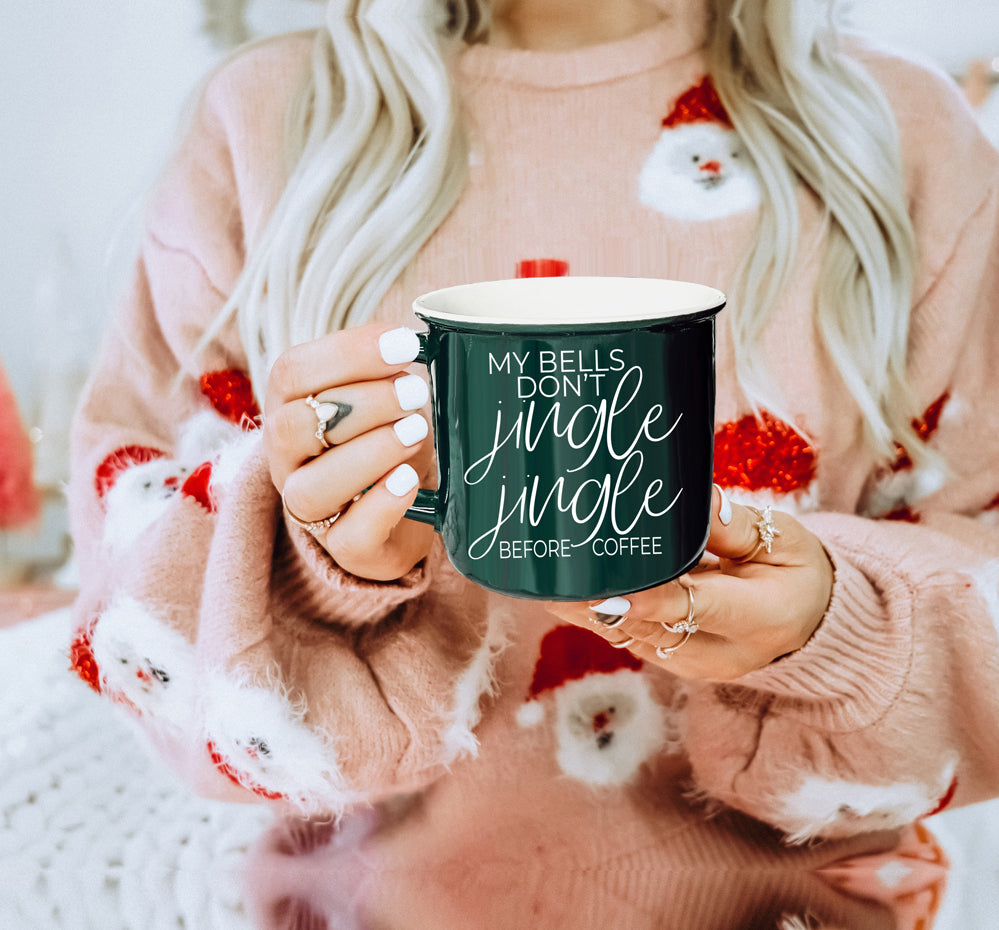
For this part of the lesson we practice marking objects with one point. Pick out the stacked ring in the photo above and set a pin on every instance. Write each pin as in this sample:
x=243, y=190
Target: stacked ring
x=667, y=652
x=767, y=531
x=325, y=411
x=311, y=526
x=688, y=624
x=612, y=622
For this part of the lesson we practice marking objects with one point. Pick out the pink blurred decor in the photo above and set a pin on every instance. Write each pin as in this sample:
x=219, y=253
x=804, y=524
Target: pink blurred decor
x=20, y=501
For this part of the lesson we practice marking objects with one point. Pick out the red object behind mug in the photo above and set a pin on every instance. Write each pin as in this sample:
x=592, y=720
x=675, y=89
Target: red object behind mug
x=542, y=268
x=20, y=502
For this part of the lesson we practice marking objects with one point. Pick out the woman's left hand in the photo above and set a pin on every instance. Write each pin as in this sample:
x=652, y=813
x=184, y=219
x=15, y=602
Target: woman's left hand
x=746, y=609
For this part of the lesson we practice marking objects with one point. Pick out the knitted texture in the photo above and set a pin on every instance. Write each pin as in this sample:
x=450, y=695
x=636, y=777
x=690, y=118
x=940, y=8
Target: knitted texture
x=93, y=832
x=264, y=671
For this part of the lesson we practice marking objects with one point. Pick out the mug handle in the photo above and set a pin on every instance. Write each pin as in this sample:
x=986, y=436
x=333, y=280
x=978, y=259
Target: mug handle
x=424, y=509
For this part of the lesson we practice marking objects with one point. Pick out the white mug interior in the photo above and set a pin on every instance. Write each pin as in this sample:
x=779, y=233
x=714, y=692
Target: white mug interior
x=562, y=301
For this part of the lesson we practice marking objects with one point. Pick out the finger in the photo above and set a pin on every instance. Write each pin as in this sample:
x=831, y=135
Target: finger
x=747, y=534
x=625, y=624
x=326, y=484
x=372, y=538
x=346, y=412
x=364, y=353
x=720, y=627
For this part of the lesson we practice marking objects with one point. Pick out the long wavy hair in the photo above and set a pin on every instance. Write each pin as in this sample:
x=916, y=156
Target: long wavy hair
x=379, y=159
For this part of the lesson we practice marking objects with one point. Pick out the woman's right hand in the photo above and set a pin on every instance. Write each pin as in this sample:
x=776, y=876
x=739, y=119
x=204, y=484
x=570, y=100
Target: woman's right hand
x=377, y=441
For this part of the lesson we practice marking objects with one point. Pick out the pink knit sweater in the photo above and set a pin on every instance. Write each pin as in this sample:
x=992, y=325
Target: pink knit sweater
x=260, y=669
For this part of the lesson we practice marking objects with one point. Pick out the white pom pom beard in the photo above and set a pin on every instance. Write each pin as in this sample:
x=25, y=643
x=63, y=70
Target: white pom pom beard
x=594, y=752
x=672, y=182
x=143, y=493
x=142, y=659
x=263, y=737
x=822, y=807
x=139, y=497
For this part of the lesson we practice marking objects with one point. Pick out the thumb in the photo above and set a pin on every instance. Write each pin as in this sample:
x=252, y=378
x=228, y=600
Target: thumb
x=741, y=534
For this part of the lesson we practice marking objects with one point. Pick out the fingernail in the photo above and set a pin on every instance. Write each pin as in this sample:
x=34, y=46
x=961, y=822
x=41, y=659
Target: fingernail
x=411, y=429
x=402, y=480
x=399, y=345
x=412, y=392
x=725, y=510
x=613, y=605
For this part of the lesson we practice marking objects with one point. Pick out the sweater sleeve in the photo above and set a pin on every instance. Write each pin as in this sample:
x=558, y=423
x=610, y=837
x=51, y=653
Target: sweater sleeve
x=889, y=712
x=256, y=666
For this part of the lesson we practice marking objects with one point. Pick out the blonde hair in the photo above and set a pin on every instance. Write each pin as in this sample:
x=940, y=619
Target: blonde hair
x=808, y=112
x=379, y=159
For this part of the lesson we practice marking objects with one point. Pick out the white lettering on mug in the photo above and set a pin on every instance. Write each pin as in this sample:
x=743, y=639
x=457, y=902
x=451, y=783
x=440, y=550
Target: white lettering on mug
x=599, y=505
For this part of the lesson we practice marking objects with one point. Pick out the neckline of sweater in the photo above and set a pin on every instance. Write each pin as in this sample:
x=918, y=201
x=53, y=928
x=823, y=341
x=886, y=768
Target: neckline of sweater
x=656, y=46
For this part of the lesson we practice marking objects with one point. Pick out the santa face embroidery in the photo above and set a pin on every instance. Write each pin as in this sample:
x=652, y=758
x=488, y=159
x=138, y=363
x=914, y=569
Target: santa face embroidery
x=606, y=727
x=699, y=169
x=143, y=663
x=606, y=723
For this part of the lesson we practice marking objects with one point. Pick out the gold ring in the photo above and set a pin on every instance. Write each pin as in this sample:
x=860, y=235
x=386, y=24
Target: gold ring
x=767, y=531
x=325, y=411
x=311, y=526
x=667, y=652
x=688, y=624
x=612, y=622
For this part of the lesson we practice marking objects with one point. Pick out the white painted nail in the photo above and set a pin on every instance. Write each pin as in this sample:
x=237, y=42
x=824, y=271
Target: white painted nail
x=402, y=480
x=411, y=429
x=412, y=392
x=617, y=606
x=725, y=510
x=399, y=345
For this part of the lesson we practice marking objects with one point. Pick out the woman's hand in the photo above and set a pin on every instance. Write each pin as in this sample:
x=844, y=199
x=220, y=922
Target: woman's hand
x=750, y=606
x=375, y=440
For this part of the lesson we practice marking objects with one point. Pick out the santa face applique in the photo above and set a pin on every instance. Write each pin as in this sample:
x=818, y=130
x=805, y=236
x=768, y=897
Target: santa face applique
x=606, y=723
x=259, y=740
x=699, y=168
x=143, y=663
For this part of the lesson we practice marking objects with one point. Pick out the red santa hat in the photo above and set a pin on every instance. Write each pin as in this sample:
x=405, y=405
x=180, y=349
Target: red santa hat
x=763, y=454
x=699, y=104
x=569, y=653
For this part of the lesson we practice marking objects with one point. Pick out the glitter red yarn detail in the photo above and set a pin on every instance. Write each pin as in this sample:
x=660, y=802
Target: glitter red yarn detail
x=570, y=652
x=81, y=656
x=700, y=104
x=197, y=485
x=925, y=427
x=905, y=514
x=237, y=778
x=121, y=460
x=762, y=454
x=231, y=394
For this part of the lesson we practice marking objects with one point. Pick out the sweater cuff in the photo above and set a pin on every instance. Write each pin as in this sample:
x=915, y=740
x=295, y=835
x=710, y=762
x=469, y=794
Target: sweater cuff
x=852, y=669
x=318, y=587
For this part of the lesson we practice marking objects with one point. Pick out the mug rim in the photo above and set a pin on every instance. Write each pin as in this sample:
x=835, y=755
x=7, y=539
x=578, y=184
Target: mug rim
x=691, y=301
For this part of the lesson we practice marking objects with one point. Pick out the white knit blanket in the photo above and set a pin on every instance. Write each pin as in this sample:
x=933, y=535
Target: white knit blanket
x=93, y=832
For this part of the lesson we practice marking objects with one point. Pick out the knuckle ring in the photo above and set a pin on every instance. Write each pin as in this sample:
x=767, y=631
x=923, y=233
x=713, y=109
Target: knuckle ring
x=624, y=644
x=688, y=624
x=667, y=652
x=767, y=532
x=325, y=411
x=312, y=526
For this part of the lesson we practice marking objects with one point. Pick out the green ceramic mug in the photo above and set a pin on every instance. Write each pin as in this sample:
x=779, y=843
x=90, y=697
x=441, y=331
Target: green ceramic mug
x=574, y=431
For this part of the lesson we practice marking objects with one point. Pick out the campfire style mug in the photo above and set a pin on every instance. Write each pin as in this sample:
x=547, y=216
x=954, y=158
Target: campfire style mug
x=574, y=429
